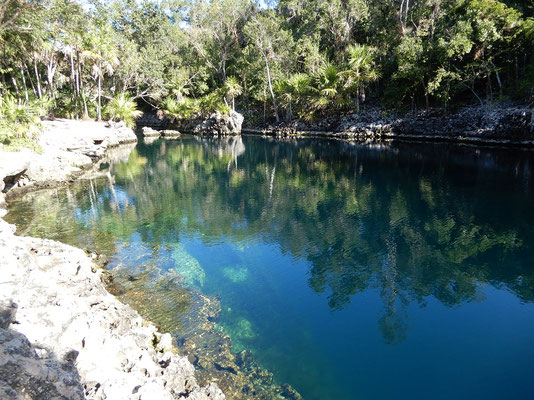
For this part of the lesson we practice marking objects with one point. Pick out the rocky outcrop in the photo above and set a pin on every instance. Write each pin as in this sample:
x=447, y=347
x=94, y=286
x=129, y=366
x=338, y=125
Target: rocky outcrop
x=215, y=125
x=77, y=327
x=12, y=167
x=482, y=121
x=170, y=134
x=68, y=148
x=155, y=119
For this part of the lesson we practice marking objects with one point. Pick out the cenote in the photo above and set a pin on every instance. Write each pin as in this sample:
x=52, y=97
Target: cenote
x=348, y=271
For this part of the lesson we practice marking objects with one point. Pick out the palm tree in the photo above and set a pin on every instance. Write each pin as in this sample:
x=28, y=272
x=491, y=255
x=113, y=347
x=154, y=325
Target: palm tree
x=102, y=54
x=294, y=90
x=328, y=88
x=123, y=108
x=233, y=89
x=361, y=69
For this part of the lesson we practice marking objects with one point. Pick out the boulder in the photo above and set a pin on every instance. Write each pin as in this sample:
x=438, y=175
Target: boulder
x=220, y=125
x=147, y=131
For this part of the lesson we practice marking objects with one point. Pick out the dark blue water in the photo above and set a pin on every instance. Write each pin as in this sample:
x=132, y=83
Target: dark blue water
x=350, y=272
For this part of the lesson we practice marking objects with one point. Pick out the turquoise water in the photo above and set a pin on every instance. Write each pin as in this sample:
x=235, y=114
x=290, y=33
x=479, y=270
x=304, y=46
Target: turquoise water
x=349, y=271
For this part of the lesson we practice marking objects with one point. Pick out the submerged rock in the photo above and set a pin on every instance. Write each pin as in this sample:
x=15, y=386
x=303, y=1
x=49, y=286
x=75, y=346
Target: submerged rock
x=187, y=266
x=191, y=316
x=236, y=275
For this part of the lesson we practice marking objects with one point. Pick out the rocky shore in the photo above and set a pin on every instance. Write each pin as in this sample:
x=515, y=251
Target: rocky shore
x=506, y=124
x=62, y=334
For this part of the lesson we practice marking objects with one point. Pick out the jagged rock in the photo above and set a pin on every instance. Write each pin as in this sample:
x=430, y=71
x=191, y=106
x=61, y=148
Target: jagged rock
x=152, y=119
x=68, y=148
x=12, y=166
x=221, y=125
x=495, y=124
x=216, y=125
x=75, y=325
x=23, y=374
x=8, y=310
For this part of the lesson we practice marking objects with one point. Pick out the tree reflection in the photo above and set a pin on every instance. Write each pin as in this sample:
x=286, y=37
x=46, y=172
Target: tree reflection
x=409, y=224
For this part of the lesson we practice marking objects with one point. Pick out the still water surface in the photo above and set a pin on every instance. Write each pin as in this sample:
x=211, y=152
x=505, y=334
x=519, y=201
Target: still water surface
x=349, y=271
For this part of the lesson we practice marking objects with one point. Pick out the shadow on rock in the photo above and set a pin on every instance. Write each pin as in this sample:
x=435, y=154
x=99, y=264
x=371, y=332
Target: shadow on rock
x=28, y=372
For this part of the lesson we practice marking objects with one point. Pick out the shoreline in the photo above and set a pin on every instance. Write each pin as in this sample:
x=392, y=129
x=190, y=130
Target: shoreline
x=391, y=138
x=62, y=333
x=490, y=125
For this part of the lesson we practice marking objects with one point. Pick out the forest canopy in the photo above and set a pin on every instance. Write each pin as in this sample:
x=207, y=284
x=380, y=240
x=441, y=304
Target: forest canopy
x=280, y=59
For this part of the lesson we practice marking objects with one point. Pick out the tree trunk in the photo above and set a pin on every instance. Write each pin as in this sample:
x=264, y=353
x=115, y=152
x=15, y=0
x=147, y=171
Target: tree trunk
x=51, y=71
x=80, y=87
x=290, y=110
x=490, y=89
x=72, y=74
x=233, y=103
x=24, y=83
x=38, y=79
x=14, y=84
x=99, y=94
x=30, y=78
x=271, y=87
x=499, y=81
x=358, y=100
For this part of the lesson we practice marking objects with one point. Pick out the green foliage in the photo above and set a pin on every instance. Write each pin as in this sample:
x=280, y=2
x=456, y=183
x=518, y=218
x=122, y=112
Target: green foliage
x=20, y=121
x=123, y=108
x=205, y=55
x=182, y=109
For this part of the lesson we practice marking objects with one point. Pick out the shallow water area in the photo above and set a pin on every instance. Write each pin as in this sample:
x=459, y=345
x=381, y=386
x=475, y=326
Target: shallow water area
x=348, y=271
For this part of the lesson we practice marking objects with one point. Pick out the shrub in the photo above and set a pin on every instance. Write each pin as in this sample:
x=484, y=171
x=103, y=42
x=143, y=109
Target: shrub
x=183, y=109
x=19, y=119
x=123, y=108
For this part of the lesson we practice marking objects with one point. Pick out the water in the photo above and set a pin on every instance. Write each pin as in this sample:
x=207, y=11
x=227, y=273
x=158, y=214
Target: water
x=349, y=271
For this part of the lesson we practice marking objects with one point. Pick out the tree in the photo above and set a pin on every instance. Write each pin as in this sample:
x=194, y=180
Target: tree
x=360, y=70
x=232, y=89
x=102, y=54
x=270, y=41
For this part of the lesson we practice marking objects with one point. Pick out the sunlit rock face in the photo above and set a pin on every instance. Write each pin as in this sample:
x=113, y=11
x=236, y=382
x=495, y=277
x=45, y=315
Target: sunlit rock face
x=216, y=125
x=221, y=125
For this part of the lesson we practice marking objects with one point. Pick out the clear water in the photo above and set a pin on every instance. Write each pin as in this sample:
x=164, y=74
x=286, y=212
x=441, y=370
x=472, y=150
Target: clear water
x=349, y=271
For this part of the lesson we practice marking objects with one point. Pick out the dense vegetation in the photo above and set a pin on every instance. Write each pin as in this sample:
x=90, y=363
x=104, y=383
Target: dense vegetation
x=281, y=59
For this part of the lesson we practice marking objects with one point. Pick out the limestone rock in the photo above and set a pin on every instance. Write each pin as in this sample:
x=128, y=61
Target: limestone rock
x=23, y=374
x=147, y=131
x=75, y=325
x=221, y=125
x=69, y=147
x=170, y=133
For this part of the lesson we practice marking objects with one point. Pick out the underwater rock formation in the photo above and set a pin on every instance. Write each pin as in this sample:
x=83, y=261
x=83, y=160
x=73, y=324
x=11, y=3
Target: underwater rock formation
x=188, y=266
